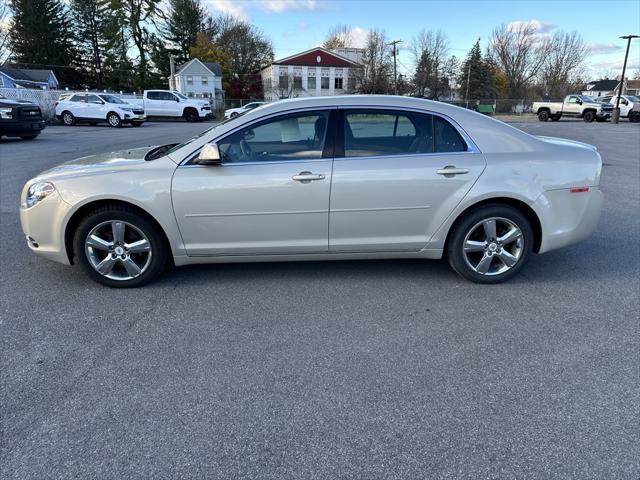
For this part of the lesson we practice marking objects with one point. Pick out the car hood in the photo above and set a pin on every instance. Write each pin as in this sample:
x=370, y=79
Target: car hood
x=104, y=163
x=565, y=142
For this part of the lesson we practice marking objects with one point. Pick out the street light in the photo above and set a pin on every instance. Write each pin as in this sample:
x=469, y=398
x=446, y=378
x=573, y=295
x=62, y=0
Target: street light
x=615, y=118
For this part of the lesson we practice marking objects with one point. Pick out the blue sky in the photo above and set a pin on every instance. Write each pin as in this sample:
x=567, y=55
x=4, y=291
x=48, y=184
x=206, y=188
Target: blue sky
x=296, y=25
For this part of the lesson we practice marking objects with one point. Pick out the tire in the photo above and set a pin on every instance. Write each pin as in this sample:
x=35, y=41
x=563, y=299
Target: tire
x=28, y=137
x=543, y=115
x=113, y=119
x=190, y=115
x=118, y=271
x=588, y=116
x=555, y=118
x=635, y=117
x=234, y=114
x=137, y=124
x=68, y=119
x=484, y=255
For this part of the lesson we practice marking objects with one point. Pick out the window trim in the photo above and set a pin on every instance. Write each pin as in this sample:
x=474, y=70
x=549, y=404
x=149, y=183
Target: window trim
x=472, y=148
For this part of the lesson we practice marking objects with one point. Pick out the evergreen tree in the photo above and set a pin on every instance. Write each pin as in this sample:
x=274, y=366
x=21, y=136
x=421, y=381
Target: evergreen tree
x=185, y=20
x=41, y=37
x=117, y=65
x=476, y=80
x=91, y=18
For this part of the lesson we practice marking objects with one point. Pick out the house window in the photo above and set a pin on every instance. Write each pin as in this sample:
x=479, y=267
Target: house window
x=189, y=80
x=311, y=83
x=205, y=81
x=338, y=84
x=283, y=82
x=297, y=83
x=324, y=83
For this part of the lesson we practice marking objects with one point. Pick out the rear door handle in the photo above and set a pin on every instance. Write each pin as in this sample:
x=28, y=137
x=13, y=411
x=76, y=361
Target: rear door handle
x=450, y=171
x=306, y=177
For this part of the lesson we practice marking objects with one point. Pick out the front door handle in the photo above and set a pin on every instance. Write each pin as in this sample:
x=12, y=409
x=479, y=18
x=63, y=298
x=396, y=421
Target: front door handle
x=306, y=177
x=451, y=170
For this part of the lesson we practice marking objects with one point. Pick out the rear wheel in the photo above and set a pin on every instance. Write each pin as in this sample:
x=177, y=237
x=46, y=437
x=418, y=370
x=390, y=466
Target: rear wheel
x=113, y=119
x=118, y=247
x=543, y=115
x=68, y=119
x=588, y=116
x=490, y=244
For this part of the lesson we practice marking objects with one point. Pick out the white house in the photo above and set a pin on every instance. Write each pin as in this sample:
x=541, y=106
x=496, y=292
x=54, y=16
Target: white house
x=312, y=73
x=199, y=80
x=599, y=88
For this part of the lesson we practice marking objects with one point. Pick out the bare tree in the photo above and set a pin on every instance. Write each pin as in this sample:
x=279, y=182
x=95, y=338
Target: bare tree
x=5, y=29
x=376, y=71
x=430, y=50
x=563, y=63
x=520, y=54
x=340, y=36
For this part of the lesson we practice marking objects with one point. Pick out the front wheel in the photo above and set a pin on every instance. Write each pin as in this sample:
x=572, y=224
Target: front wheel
x=113, y=119
x=588, y=117
x=68, y=119
x=119, y=247
x=490, y=244
x=190, y=115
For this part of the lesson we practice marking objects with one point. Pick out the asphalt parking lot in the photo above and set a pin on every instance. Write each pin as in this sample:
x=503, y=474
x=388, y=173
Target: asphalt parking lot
x=370, y=369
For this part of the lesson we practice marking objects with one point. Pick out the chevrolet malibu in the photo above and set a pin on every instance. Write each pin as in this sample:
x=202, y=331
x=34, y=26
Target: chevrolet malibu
x=330, y=178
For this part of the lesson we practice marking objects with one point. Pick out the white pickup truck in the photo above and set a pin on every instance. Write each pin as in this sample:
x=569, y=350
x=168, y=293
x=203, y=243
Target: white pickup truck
x=629, y=106
x=167, y=103
x=580, y=106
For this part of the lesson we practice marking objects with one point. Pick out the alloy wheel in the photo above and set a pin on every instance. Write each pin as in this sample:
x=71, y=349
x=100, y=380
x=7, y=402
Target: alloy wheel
x=114, y=120
x=493, y=246
x=118, y=250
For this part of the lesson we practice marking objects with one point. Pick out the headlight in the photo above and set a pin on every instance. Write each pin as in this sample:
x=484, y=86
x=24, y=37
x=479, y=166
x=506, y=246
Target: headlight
x=126, y=109
x=39, y=191
x=6, y=112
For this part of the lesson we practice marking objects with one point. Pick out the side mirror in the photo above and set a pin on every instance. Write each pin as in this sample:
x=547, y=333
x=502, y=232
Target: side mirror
x=209, y=155
x=579, y=102
x=624, y=102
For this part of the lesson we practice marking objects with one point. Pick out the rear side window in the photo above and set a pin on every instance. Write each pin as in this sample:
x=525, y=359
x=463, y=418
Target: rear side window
x=380, y=133
x=447, y=138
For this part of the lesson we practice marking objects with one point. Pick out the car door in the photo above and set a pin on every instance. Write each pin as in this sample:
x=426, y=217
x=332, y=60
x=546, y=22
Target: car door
x=155, y=104
x=402, y=173
x=573, y=106
x=78, y=105
x=95, y=108
x=270, y=195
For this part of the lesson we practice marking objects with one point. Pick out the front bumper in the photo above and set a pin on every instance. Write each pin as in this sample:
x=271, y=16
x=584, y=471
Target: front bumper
x=43, y=224
x=567, y=217
x=21, y=127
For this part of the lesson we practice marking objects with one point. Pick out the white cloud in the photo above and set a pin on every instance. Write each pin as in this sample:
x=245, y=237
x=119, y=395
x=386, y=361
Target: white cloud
x=234, y=8
x=541, y=28
x=359, y=37
x=600, y=48
x=616, y=65
x=278, y=6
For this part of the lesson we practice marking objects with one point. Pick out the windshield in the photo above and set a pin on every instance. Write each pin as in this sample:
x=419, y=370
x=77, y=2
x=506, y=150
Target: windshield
x=633, y=98
x=180, y=145
x=111, y=99
x=180, y=95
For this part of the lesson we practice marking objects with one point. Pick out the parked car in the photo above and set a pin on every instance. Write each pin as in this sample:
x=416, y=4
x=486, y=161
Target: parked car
x=629, y=106
x=321, y=178
x=95, y=108
x=234, y=112
x=167, y=103
x=20, y=119
x=581, y=106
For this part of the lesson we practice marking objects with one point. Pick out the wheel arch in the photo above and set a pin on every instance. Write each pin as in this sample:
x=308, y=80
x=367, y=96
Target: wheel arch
x=84, y=210
x=189, y=109
x=544, y=109
x=521, y=206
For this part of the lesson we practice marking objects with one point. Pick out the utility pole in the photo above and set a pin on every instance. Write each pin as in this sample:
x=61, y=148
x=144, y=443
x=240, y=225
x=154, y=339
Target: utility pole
x=172, y=65
x=395, y=69
x=615, y=118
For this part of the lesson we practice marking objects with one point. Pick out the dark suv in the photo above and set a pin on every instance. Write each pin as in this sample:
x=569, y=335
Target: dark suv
x=19, y=119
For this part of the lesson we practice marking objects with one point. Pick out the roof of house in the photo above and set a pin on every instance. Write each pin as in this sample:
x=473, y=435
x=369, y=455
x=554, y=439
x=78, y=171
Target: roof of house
x=317, y=57
x=213, y=67
x=39, y=76
x=633, y=84
x=604, y=85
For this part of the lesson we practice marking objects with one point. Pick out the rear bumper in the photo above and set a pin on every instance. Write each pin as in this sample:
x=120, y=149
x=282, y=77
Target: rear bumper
x=566, y=217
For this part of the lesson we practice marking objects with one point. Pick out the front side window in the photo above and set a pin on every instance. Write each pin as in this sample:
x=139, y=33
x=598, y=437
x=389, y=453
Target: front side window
x=112, y=99
x=154, y=95
x=299, y=136
x=573, y=99
x=94, y=99
x=378, y=133
x=78, y=98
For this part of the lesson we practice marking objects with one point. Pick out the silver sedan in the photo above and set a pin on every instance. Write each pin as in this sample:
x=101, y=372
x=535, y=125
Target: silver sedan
x=349, y=177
